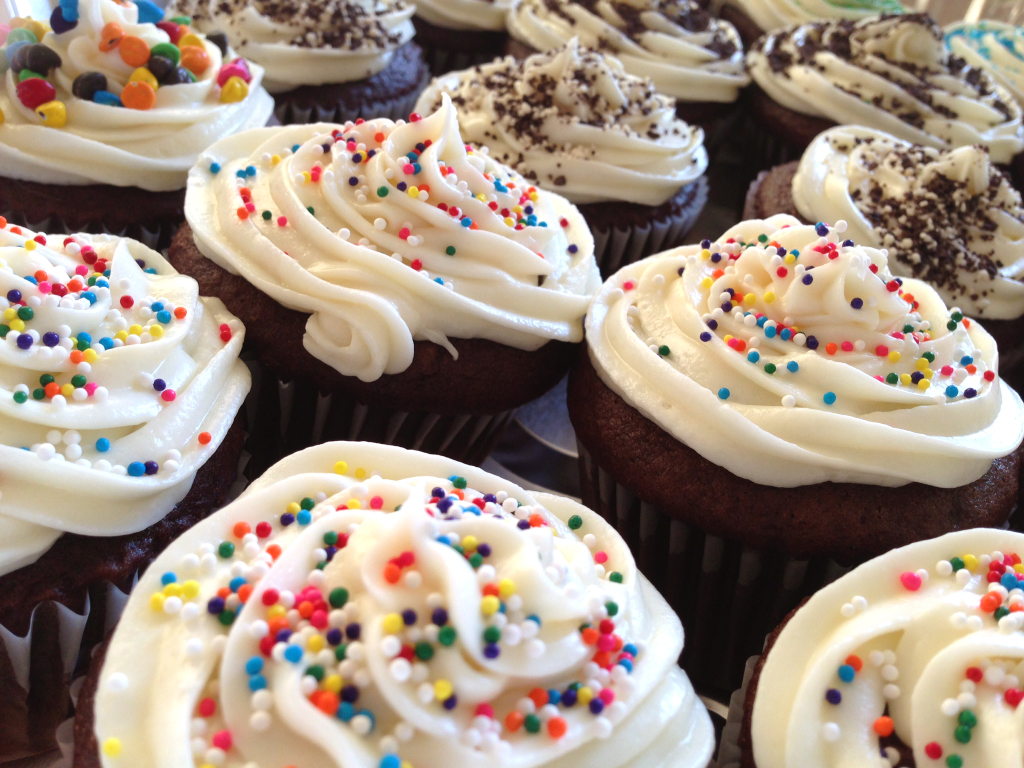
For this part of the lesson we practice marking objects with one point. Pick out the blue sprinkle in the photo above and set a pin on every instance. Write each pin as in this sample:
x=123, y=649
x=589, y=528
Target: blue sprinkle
x=770, y=331
x=466, y=221
x=136, y=469
x=786, y=334
x=89, y=296
x=168, y=578
x=149, y=12
x=753, y=356
x=723, y=393
x=847, y=673
x=103, y=445
x=236, y=584
x=214, y=168
x=829, y=398
x=293, y=653
x=163, y=317
x=250, y=170
x=792, y=366
x=821, y=229
x=952, y=391
x=345, y=712
x=304, y=517
x=257, y=683
x=107, y=99
x=254, y=665
x=966, y=360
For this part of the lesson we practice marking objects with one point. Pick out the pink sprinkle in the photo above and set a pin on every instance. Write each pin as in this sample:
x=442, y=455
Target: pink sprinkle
x=376, y=502
x=881, y=350
x=484, y=709
x=168, y=395
x=82, y=270
x=408, y=169
x=222, y=740
x=282, y=221
x=911, y=581
x=207, y=707
x=601, y=557
x=404, y=233
x=45, y=287
x=607, y=695
x=947, y=370
x=319, y=619
x=90, y=388
x=606, y=643
x=629, y=285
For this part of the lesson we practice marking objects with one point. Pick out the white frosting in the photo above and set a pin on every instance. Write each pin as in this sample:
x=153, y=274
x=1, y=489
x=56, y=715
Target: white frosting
x=451, y=705
x=152, y=149
x=573, y=121
x=374, y=270
x=993, y=46
x=687, y=53
x=465, y=14
x=772, y=14
x=889, y=65
x=55, y=477
x=326, y=41
x=978, y=226
x=944, y=670
x=676, y=348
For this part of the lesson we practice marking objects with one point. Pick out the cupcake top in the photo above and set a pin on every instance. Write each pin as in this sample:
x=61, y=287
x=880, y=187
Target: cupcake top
x=487, y=15
x=996, y=47
x=772, y=14
x=363, y=605
x=892, y=73
x=388, y=233
x=949, y=217
x=790, y=355
x=689, y=54
x=572, y=120
x=114, y=93
x=918, y=650
x=308, y=43
x=117, y=383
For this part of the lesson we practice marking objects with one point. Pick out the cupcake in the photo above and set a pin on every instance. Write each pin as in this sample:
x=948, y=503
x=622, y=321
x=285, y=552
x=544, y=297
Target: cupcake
x=99, y=137
x=890, y=73
x=366, y=605
x=760, y=412
x=572, y=121
x=948, y=217
x=120, y=389
x=688, y=54
x=991, y=46
x=456, y=34
x=752, y=18
x=911, y=659
x=327, y=59
x=397, y=285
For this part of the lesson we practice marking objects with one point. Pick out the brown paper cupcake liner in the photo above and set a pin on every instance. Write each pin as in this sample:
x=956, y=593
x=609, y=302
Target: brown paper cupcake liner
x=399, y=108
x=291, y=415
x=155, y=235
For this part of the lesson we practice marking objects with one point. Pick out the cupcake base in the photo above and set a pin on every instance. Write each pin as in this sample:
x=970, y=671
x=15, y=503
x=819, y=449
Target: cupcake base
x=149, y=217
x=390, y=93
x=39, y=648
x=733, y=557
x=626, y=232
x=774, y=133
x=447, y=50
x=456, y=407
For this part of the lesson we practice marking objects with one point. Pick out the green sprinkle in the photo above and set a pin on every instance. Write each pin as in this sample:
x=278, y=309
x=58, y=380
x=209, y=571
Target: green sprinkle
x=339, y=652
x=769, y=368
x=424, y=651
x=267, y=215
x=762, y=238
x=447, y=635
x=226, y=549
x=38, y=394
x=908, y=329
x=459, y=482
x=615, y=576
x=26, y=313
x=955, y=761
x=307, y=503
x=957, y=563
x=330, y=538
x=951, y=325
x=892, y=378
x=338, y=597
x=4, y=330
x=78, y=381
x=382, y=191
x=450, y=250
x=613, y=608
x=962, y=734
x=575, y=522
x=531, y=723
x=316, y=671
x=492, y=635
x=663, y=350
x=20, y=397
x=476, y=560
x=967, y=718
x=227, y=618
x=311, y=211
x=958, y=316
x=45, y=379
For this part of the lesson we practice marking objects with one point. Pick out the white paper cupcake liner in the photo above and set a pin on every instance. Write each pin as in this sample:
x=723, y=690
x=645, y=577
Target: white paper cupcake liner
x=393, y=109
x=729, y=753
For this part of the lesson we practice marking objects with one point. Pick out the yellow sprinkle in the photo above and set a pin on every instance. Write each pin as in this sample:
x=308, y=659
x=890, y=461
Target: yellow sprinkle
x=393, y=623
x=489, y=605
x=360, y=473
x=405, y=764
x=340, y=467
x=17, y=324
x=769, y=297
x=443, y=690
x=306, y=176
x=510, y=221
x=469, y=543
x=705, y=254
x=533, y=196
x=121, y=335
x=316, y=643
x=276, y=611
x=332, y=683
x=923, y=384
x=789, y=258
x=517, y=209
x=905, y=379
x=173, y=589
x=190, y=589
x=156, y=331
x=191, y=39
x=293, y=508
x=921, y=364
x=90, y=355
x=10, y=313
x=929, y=373
x=135, y=330
x=506, y=587
x=143, y=75
x=67, y=389
x=30, y=245
x=728, y=338
x=1018, y=568
x=706, y=282
x=970, y=562
x=480, y=196
x=275, y=159
x=584, y=695
x=749, y=298
x=894, y=356
x=112, y=747
x=156, y=601
x=413, y=191
x=354, y=504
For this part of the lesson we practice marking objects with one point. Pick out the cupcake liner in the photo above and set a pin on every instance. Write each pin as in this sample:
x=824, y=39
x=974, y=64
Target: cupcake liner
x=616, y=247
x=728, y=596
x=398, y=108
x=729, y=753
x=156, y=236
x=294, y=414
x=442, y=60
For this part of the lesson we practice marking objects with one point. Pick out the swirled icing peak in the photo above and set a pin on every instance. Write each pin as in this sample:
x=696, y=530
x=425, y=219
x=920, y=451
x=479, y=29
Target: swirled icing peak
x=115, y=93
x=117, y=382
x=892, y=73
x=772, y=14
x=309, y=43
x=949, y=217
x=993, y=46
x=791, y=356
x=390, y=232
x=366, y=606
x=917, y=653
x=688, y=53
x=573, y=120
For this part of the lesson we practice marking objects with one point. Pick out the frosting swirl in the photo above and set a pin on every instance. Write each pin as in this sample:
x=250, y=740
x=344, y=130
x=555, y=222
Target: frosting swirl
x=686, y=52
x=366, y=606
x=465, y=14
x=791, y=357
x=919, y=649
x=117, y=383
x=387, y=233
x=152, y=148
x=772, y=14
x=892, y=73
x=993, y=47
x=326, y=41
x=574, y=121
x=949, y=217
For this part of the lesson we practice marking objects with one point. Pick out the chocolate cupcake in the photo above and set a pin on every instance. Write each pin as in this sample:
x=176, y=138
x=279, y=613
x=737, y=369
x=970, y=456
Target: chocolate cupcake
x=948, y=217
x=912, y=659
x=890, y=73
x=397, y=285
x=104, y=109
x=572, y=121
x=688, y=54
x=416, y=611
x=752, y=18
x=456, y=34
x=326, y=60
x=761, y=412
x=118, y=411
x=993, y=47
